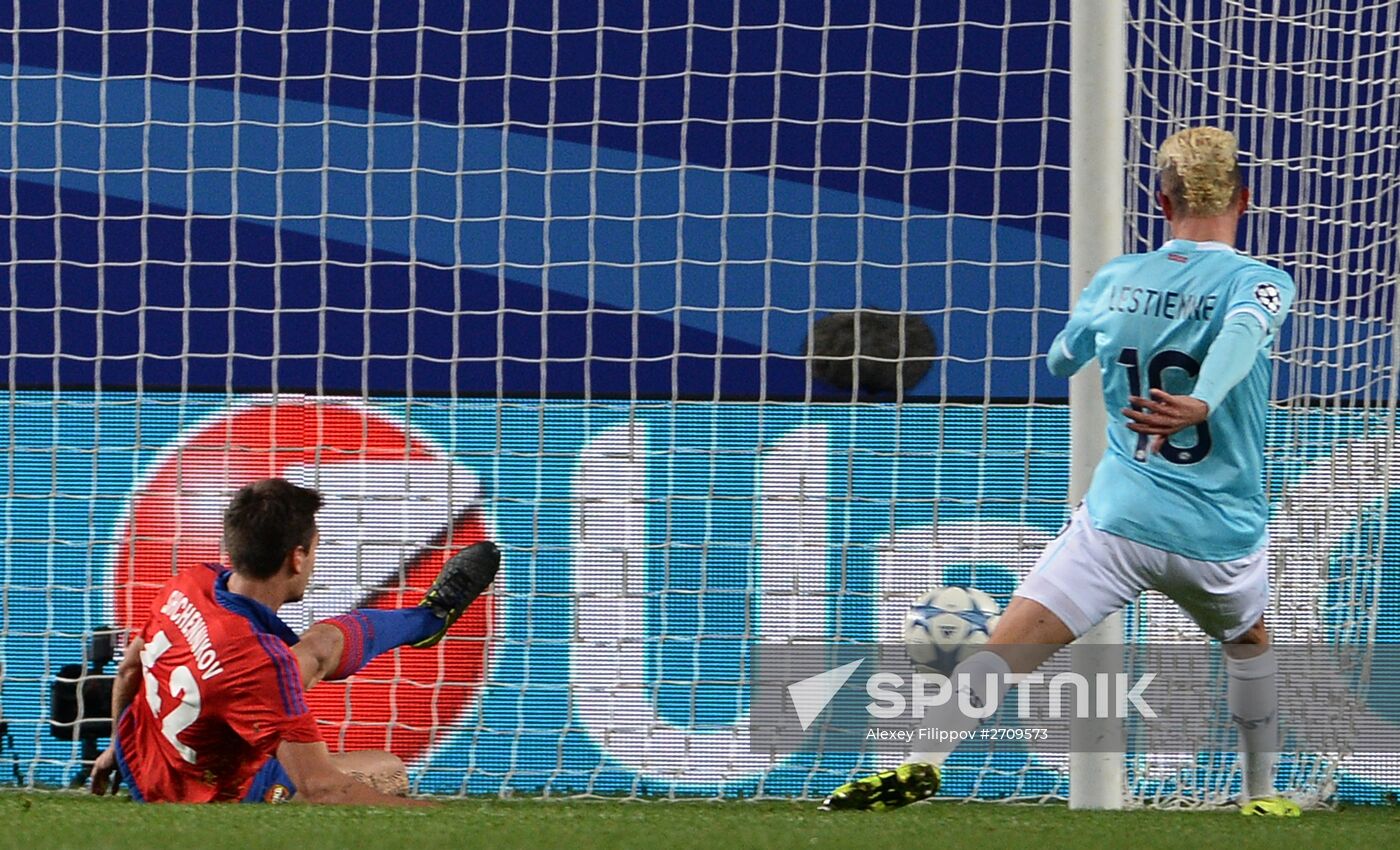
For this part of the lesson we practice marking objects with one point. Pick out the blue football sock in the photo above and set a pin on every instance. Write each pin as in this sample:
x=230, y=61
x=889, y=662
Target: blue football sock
x=371, y=632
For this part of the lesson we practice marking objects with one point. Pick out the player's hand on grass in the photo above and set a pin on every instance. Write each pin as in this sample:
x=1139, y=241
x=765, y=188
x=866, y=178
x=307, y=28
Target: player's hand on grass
x=104, y=773
x=1163, y=415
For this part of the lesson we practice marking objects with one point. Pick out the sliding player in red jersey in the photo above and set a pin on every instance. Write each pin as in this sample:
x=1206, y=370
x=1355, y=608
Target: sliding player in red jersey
x=209, y=701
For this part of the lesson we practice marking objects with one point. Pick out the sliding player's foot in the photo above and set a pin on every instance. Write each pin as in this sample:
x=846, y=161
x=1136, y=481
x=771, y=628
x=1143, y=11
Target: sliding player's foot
x=463, y=578
x=1276, y=807
x=888, y=789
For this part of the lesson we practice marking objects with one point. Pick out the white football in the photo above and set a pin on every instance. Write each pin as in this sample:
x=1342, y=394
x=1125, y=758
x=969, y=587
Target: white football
x=946, y=625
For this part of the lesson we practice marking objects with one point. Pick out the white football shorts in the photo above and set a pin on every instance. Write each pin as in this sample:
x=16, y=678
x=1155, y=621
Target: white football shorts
x=1085, y=574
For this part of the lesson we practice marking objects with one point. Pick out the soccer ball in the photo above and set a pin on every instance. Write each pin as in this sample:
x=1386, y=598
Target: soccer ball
x=948, y=624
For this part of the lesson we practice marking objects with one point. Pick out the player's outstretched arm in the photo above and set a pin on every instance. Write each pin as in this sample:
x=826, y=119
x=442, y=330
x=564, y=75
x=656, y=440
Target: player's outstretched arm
x=104, y=771
x=318, y=780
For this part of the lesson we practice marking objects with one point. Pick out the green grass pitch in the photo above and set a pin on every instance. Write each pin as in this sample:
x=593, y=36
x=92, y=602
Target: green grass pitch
x=34, y=821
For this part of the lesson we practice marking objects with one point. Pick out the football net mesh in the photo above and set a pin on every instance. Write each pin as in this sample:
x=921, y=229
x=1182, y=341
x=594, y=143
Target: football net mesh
x=1310, y=91
x=550, y=274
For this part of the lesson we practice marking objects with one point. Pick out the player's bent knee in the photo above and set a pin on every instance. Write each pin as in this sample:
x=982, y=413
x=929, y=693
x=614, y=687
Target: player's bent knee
x=1256, y=635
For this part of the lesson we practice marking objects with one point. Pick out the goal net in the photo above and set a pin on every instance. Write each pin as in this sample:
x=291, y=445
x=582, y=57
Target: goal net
x=1310, y=91
x=585, y=279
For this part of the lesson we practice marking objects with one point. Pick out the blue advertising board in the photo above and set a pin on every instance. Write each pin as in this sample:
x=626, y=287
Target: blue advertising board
x=646, y=547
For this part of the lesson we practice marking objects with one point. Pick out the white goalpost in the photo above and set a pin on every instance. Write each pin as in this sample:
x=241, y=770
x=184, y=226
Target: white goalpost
x=1096, y=131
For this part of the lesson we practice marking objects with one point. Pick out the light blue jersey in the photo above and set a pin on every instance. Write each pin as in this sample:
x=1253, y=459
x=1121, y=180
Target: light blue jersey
x=1150, y=319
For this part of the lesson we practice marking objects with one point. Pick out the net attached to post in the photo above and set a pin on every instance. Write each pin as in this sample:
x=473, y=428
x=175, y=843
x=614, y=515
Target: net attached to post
x=1311, y=92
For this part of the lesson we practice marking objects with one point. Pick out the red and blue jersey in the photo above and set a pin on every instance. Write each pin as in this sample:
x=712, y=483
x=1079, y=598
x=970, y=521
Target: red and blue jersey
x=220, y=691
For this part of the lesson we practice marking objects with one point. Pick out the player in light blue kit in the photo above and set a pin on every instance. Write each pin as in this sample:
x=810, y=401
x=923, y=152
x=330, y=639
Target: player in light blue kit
x=1182, y=336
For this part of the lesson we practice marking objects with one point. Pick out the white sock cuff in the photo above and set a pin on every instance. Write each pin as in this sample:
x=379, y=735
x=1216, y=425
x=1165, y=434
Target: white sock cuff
x=984, y=663
x=979, y=665
x=1255, y=667
x=949, y=717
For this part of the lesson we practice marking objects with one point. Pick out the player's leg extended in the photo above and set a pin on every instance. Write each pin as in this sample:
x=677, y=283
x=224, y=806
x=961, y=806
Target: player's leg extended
x=1043, y=616
x=339, y=647
x=380, y=770
x=1027, y=634
x=1253, y=697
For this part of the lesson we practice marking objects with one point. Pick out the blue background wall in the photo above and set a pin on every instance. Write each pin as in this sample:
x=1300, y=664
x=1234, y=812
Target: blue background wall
x=587, y=212
x=679, y=285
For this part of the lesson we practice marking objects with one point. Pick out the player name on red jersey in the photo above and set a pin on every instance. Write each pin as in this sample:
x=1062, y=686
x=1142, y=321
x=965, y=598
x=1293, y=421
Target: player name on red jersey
x=186, y=617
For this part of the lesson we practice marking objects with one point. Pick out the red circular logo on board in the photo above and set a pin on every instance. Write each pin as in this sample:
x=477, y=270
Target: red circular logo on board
x=396, y=508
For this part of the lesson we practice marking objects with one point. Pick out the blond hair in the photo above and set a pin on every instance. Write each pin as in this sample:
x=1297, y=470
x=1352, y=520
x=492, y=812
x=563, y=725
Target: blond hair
x=1200, y=171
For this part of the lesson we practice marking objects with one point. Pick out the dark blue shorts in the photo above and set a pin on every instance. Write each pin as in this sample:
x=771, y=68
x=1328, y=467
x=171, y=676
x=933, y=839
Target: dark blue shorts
x=271, y=784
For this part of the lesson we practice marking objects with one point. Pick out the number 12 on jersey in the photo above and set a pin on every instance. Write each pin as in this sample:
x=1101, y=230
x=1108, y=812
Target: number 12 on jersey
x=1160, y=363
x=182, y=687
